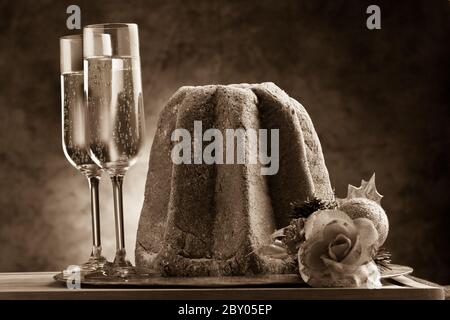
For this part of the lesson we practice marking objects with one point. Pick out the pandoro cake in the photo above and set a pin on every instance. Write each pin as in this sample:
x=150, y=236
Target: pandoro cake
x=210, y=219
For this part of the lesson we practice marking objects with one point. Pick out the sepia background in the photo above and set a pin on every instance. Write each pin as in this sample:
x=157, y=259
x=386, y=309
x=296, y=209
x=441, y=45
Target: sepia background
x=378, y=99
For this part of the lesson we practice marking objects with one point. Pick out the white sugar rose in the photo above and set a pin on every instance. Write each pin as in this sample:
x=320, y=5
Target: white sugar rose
x=339, y=251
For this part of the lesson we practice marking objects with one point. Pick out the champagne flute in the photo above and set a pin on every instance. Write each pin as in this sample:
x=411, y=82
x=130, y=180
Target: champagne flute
x=74, y=137
x=113, y=90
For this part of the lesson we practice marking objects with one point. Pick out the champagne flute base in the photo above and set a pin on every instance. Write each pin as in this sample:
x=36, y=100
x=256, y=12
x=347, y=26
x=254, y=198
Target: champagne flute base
x=94, y=264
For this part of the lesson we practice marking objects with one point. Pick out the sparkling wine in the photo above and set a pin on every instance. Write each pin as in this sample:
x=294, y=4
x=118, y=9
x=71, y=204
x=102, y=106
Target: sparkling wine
x=115, y=111
x=75, y=138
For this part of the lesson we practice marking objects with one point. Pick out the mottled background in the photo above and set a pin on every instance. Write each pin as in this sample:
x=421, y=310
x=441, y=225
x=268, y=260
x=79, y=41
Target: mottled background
x=378, y=99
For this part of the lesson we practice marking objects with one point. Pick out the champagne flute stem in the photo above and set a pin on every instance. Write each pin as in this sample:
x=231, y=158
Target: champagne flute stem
x=94, y=182
x=117, y=182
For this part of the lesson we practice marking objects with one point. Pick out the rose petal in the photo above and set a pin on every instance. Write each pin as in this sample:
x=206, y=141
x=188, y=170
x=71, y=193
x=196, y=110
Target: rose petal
x=311, y=252
x=314, y=278
x=319, y=219
x=354, y=256
x=369, y=238
x=338, y=226
x=373, y=275
x=338, y=267
x=364, y=276
x=339, y=248
x=338, y=252
x=367, y=230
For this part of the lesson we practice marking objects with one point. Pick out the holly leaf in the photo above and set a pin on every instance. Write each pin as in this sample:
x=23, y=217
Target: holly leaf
x=367, y=190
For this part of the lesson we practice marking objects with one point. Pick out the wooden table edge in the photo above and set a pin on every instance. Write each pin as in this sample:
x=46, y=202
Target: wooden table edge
x=47, y=289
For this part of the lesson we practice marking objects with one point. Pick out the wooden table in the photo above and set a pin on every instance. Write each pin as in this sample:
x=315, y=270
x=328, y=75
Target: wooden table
x=40, y=285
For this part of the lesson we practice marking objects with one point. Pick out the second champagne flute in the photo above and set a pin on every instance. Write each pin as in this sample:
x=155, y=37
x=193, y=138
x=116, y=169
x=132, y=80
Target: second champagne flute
x=116, y=113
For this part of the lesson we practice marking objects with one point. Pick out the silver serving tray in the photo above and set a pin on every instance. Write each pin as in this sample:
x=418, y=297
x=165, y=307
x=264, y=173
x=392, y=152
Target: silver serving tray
x=211, y=282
